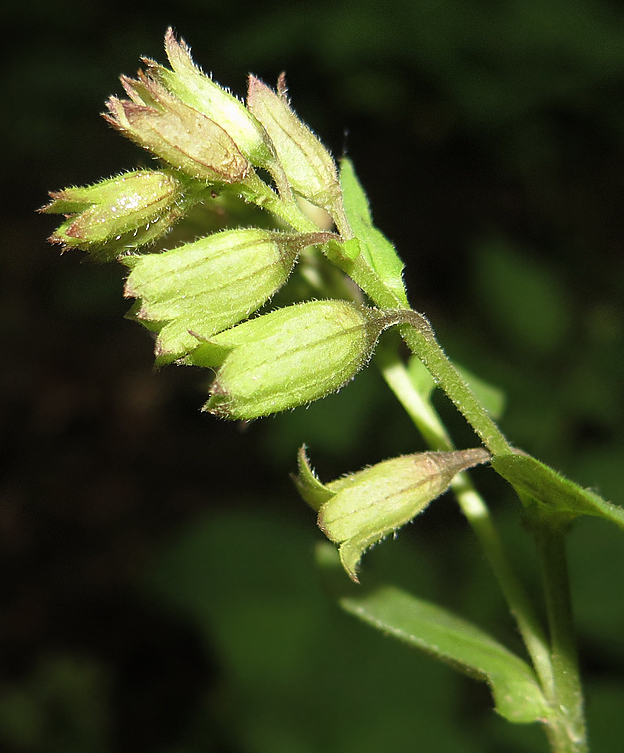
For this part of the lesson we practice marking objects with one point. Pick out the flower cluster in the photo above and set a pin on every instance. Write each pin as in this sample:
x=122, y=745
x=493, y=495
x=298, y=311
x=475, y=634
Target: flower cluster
x=198, y=297
x=195, y=296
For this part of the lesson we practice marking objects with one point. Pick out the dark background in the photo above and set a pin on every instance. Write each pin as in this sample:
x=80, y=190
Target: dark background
x=158, y=585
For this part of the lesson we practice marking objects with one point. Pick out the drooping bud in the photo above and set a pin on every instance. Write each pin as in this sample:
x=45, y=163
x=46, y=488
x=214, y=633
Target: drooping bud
x=213, y=283
x=359, y=510
x=119, y=214
x=288, y=358
x=197, y=90
x=185, y=138
x=308, y=165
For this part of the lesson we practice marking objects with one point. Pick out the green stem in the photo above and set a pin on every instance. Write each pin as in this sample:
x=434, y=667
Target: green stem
x=254, y=190
x=556, y=665
x=417, y=333
x=418, y=409
x=566, y=728
x=476, y=512
x=419, y=336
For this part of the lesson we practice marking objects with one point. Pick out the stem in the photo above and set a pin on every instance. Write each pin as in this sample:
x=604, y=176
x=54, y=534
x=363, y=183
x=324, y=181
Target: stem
x=419, y=336
x=555, y=665
x=254, y=190
x=476, y=512
x=418, y=409
x=566, y=728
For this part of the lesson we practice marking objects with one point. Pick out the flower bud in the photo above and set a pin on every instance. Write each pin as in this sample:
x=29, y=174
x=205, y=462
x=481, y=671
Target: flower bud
x=123, y=213
x=197, y=90
x=185, y=138
x=361, y=509
x=206, y=286
x=287, y=358
x=309, y=167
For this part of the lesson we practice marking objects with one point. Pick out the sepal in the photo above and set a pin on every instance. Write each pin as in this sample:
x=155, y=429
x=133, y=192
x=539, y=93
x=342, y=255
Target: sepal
x=116, y=215
x=158, y=121
x=309, y=167
x=197, y=90
x=199, y=289
x=368, y=505
x=310, y=488
x=287, y=358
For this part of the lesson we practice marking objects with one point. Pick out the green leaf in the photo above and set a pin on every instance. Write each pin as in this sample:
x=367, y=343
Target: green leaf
x=517, y=695
x=376, y=249
x=525, y=296
x=540, y=486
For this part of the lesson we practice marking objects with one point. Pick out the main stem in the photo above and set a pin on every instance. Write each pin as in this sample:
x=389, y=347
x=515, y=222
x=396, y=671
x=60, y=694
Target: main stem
x=556, y=662
x=566, y=728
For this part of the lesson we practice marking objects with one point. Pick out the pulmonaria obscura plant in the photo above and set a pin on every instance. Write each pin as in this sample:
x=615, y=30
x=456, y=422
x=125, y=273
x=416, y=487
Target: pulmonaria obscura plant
x=201, y=298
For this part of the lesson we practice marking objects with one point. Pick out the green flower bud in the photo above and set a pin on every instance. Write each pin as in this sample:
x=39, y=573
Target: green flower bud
x=197, y=90
x=185, y=138
x=309, y=167
x=123, y=213
x=361, y=509
x=288, y=358
x=206, y=286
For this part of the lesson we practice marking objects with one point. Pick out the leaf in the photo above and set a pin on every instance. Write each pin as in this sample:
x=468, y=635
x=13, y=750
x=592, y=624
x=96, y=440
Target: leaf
x=376, y=249
x=419, y=623
x=525, y=296
x=539, y=485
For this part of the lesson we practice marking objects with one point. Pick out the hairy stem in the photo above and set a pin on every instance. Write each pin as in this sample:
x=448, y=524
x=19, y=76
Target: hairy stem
x=417, y=333
x=256, y=191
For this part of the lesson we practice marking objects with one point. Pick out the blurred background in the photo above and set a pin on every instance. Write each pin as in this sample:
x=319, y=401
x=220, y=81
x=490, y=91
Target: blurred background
x=159, y=591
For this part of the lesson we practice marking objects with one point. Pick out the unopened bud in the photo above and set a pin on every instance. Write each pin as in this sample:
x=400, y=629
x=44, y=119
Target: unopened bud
x=197, y=90
x=288, y=358
x=119, y=214
x=359, y=510
x=309, y=167
x=185, y=138
x=206, y=286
